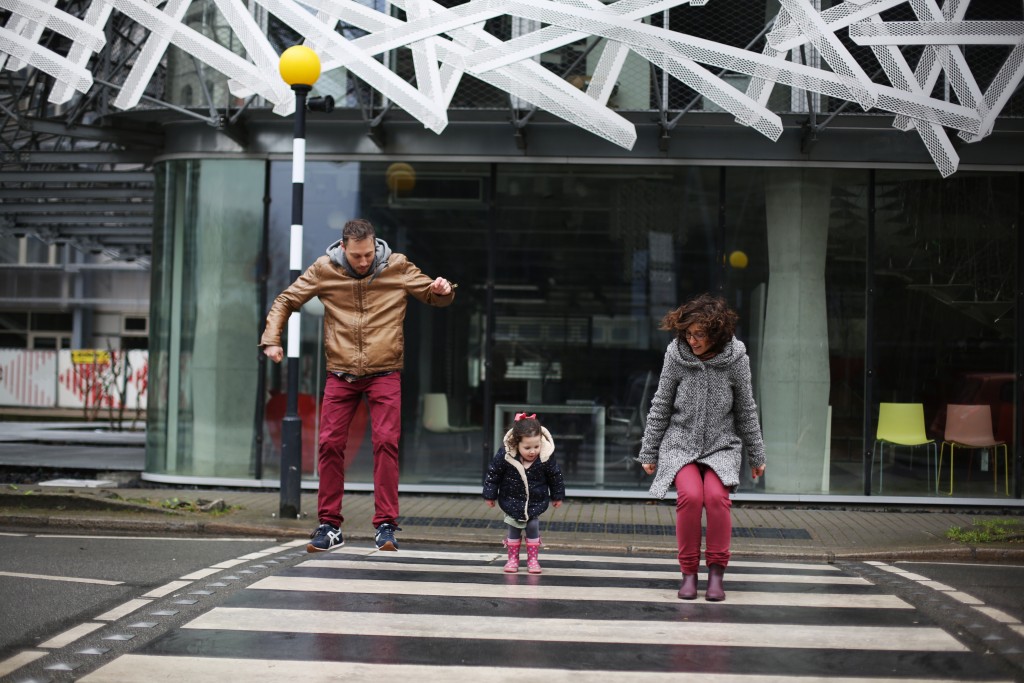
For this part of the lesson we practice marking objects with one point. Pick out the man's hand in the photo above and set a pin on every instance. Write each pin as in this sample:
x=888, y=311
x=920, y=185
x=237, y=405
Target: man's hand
x=274, y=353
x=649, y=467
x=441, y=287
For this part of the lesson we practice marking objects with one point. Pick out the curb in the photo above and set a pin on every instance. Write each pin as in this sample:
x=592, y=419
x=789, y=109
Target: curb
x=971, y=554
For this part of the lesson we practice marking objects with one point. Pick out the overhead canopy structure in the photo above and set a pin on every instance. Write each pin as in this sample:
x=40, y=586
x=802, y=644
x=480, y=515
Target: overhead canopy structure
x=74, y=170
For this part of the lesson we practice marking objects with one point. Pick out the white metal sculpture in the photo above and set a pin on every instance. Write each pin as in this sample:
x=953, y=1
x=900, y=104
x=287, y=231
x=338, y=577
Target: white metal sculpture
x=448, y=43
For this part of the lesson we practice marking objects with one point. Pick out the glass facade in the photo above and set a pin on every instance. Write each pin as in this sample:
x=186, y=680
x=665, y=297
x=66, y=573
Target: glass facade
x=856, y=289
x=207, y=243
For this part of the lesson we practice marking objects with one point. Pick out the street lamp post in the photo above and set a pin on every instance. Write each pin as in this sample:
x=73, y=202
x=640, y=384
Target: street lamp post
x=299, y=67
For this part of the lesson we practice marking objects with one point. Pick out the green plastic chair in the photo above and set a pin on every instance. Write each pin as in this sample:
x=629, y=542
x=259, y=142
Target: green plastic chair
x=902, y=424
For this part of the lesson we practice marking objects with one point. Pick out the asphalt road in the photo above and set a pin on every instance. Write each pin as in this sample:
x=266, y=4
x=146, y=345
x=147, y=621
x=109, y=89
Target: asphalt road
x=51, y=583
x=254, y=609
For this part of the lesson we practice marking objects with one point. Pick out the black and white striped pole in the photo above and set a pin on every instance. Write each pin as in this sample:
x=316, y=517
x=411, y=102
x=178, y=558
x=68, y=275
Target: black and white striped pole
x=299, y=67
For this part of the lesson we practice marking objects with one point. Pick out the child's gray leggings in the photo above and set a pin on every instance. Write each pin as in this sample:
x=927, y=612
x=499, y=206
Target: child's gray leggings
x=532, y=529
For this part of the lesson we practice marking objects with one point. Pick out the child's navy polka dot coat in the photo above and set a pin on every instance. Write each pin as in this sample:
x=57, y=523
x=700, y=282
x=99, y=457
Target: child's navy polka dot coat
x=524, y=493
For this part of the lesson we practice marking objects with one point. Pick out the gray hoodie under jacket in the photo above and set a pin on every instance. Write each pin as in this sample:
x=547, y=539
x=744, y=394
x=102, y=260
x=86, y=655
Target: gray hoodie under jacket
x=703, y=411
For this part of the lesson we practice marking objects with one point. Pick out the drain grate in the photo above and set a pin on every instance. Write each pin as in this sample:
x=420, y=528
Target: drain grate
x=602, y=528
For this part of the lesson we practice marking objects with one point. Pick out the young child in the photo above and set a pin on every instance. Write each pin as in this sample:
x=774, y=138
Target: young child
x=523, y=477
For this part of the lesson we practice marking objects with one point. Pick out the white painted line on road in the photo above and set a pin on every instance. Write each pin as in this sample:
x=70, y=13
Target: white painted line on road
x=166, y=589
x=972, y=565
x=702, y=633
x=202, y=573
x=69, y=579
x=560, y=557
x=122, y=610
x=546, y=592
x=71, y=635
x=1017, y=628
x=979, y=605
x=218, y=669
x=228, y=564
x=4, y=533
x=965, y=598
x=572, y=571
x=935, y=585
x=19, y=660
x=997, y=614
x=157, y=538
x=293, y=544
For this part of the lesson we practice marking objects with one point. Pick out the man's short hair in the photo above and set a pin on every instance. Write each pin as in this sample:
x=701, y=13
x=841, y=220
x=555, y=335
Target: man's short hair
x=357, y=229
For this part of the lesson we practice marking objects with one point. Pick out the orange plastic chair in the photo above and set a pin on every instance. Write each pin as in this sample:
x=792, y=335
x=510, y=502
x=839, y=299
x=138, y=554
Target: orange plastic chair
x=902, y=424
x=971, y=427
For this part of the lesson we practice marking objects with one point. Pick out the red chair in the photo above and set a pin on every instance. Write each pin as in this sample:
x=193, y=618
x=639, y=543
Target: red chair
x=970, y=426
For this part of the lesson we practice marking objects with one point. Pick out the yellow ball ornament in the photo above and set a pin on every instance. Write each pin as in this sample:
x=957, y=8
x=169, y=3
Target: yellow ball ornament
x=299, y=65
x=738, y=260
x=400, y=177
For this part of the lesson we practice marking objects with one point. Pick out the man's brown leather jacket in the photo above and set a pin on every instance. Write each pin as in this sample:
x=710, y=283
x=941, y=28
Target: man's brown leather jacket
x=363, y=317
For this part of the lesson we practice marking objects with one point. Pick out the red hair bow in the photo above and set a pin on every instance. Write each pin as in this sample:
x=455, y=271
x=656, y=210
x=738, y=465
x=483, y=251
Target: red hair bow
x=524, y=416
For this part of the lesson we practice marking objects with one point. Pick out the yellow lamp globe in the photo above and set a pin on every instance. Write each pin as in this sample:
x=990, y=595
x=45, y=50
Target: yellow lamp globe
x=299, y=65
x=400, y=177
x=738, y=260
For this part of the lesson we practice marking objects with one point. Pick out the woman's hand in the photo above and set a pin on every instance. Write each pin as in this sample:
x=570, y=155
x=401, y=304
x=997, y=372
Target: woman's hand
x=490, y=503
x=649, y=467
x=756, y=472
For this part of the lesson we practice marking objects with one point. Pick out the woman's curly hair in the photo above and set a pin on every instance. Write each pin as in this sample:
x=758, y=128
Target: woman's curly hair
x=710, y=312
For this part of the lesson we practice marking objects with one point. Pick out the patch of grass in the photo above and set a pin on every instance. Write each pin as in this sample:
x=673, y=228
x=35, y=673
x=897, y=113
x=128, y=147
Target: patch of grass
x=988, y=531
x=215, y=508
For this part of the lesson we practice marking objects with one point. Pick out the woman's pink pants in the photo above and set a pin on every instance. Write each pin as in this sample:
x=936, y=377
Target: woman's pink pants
x=699, y=488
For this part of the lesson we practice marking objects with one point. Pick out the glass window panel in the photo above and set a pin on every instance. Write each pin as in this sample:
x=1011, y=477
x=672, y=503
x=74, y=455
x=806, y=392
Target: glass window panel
x=945, y=273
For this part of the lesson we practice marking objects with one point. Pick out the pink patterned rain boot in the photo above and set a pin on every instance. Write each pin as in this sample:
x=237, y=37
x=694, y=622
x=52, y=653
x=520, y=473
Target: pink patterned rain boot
x=532, y=552
x=512, y=566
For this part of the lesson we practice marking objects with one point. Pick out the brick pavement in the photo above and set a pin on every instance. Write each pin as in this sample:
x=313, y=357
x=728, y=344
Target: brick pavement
x=803, y=532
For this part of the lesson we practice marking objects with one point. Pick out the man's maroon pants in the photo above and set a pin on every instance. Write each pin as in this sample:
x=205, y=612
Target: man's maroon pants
x=341, y=399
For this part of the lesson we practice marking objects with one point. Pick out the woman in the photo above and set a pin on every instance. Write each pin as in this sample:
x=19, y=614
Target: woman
x=701, y=417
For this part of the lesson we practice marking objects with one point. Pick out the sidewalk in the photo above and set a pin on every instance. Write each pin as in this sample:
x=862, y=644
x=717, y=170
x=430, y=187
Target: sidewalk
x=819, y=533
x=810, y=534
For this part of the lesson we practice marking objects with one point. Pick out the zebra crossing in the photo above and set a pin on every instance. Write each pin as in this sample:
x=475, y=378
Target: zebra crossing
x=358, y=614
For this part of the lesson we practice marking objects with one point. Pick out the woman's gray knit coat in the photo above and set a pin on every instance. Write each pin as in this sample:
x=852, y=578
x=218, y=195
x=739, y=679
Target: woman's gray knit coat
x=703, y=411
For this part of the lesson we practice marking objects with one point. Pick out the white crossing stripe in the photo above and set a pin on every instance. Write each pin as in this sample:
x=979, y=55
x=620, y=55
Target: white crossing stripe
x=594, y=573
x=19, y=660
x=892, y=638
x=122, y=610
x=71, y=635
x=561, y=557
x=69, y=579
x=472, y=604
x=549, y=592
x=218, y=670
x=166, y=589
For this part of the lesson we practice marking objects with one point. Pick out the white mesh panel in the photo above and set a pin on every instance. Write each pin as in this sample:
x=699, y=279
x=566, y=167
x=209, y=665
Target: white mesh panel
x=446, y=43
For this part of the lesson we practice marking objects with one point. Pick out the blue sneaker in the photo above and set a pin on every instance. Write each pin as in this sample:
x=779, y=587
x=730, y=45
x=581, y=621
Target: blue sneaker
x=324, y=538
x=385, y=536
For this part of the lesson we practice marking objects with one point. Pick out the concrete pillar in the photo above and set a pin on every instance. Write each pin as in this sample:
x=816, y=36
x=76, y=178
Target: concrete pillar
x=794, y=367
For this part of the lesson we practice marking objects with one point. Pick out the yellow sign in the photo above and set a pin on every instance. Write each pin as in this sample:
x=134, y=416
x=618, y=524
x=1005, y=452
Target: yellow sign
x=90, y=357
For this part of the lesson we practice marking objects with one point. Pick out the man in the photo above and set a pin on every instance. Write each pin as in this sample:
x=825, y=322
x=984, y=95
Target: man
x=363, y=287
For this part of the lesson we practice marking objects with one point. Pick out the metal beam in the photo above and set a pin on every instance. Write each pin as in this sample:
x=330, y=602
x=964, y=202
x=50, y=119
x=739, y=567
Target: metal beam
x=112, y=221
x=77, y=193
x=116, y=135
x=60, y=209
x=77, y=177
x=68, y=157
